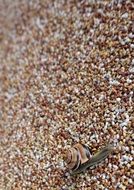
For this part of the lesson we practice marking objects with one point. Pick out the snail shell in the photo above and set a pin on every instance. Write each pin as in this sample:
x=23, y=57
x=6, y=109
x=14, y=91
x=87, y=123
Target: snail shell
x=79, y=157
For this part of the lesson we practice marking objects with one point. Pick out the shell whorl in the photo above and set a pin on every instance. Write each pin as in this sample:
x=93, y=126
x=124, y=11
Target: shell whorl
x=77, y=155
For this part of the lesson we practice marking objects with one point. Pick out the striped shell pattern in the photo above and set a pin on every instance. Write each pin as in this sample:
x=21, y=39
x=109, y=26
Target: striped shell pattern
x=77, y=155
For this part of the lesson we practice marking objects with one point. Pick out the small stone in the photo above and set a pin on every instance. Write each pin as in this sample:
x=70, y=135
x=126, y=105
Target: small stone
x=125, y=15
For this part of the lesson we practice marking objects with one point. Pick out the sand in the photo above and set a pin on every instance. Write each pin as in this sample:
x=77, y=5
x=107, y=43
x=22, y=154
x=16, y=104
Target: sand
x=66, y=77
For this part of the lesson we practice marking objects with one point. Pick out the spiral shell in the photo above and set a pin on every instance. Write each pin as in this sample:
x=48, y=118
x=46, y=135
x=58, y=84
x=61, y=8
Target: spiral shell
x=79, y=157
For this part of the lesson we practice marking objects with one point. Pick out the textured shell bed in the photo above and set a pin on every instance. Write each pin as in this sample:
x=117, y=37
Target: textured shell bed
x=66, y=77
